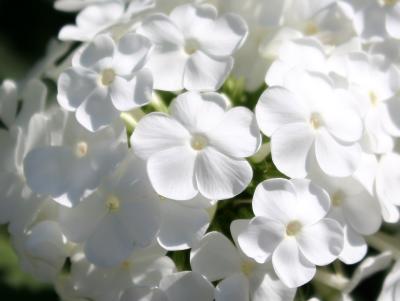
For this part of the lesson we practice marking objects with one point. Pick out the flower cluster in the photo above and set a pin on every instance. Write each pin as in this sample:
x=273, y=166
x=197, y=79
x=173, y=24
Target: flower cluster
x=207, y=150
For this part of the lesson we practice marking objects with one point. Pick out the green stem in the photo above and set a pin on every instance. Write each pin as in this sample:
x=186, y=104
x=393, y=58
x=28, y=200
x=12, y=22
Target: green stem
x=335, y=281
x=158, y=104
x=384, y=242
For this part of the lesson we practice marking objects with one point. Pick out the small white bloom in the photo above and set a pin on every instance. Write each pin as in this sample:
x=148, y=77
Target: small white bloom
x=73, y=161
x=242, y=278
x=308, y=119
x=144, y=268
x=114, y=16
x=180, y=286
x=105, y=79
x=291, y=228
x=200, y=148
x=355, y=209
x=193, y=48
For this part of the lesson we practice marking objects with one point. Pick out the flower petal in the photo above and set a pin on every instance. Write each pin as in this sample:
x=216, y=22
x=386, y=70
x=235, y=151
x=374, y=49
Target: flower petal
x=97, y=111
x=278, y=107
x=205, y=73
x=334, y=158
x=220, y=177
x=207, y=259
x=261, y=238
x=276, y=200
x=237, y=134
x=354, y=248
x=185, y=286
x=233, y=288
x=172, y=172
x=181, y=226
x=290, y=265
x=290, y=149
x=322, y=242
x=100, y=48
x=157, y=132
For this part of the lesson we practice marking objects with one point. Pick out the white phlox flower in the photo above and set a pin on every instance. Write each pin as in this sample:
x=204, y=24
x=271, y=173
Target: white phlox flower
x=120, y=216
x=180, y=286
x=355, y=209
x=111, y=16
x=144, y=268
x=376, y=90
x=106, y=77
x=242, y=278
x=193, y=47
x=72, y=163
x=308, y=119
x=290, y=228
x=199, y=149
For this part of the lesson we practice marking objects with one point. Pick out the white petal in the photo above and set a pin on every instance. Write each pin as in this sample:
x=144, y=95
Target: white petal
x=233, y=288
x=157, y=132
x=220, y=177
x=313, y=202
x=47, y=170
x=192, y=20
x=185, y=286
x=387, y=179
x=290, y=149
x=140, y=293
x=74, y=86
x=224, y=36
x=275, y=199
x=121, y=94
x=290, y=265
x=101, y=47
x=161, y=30
x=199, y=113
x=172, y=173
x=265, y=285
x=237, y=134
x=393, y=21
x=215, y=257
x=278, y=107
x=363, y=213
x=8, y=102
x=322, y=242
x=334, y=158
x=261, y=238
x=97, y=111
x=131, y=53
x=205, y=73
x=354, y=248
x=181, y=226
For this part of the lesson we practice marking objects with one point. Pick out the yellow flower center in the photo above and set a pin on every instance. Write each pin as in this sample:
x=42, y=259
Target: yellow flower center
x=315, y=121
x=191, y=46
x=373, y=98
x=107, y=77
x=293, y=228
x=81, y=149
x=247, y=267
x=337, y=199
x=198, y=142
x=311, y=29
x=112, y=203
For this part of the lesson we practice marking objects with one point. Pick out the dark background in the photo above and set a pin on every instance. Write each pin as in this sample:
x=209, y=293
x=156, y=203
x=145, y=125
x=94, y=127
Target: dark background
x=25, y=28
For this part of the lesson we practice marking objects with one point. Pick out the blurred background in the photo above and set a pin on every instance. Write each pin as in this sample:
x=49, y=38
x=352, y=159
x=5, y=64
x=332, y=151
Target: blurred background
x=26, y=26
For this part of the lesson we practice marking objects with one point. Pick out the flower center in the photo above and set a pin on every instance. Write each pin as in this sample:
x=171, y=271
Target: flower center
x=337, y=199
x=373, y=98
x=112, y=203
x=191, y=46
x=387, y=2
x=311, y=29
x=315, y=121
x=107, y=76
x=293, y=228
x=198, y=142
x=81, y=149
x=247, y=267
x=126, y=264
